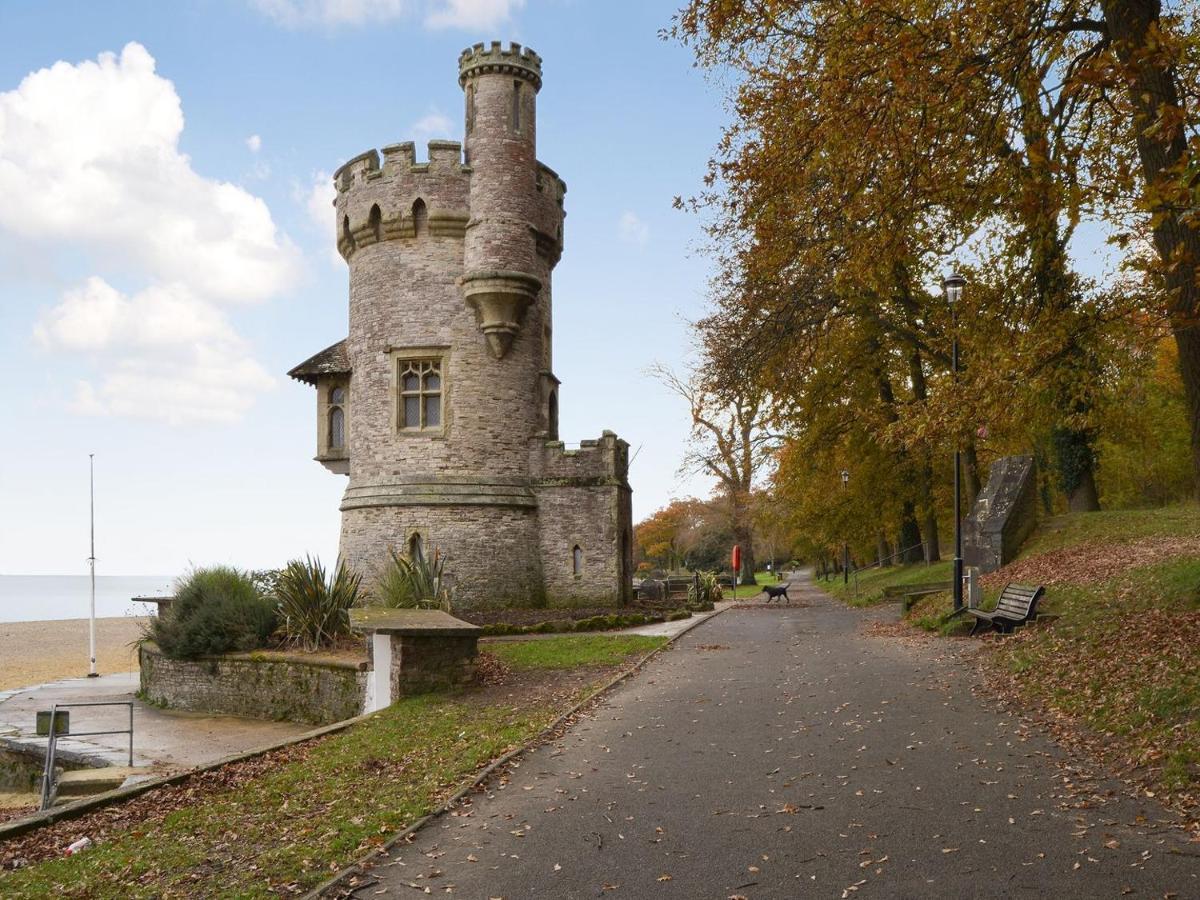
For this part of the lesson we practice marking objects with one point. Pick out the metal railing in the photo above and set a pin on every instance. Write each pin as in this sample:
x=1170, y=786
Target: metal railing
x=52, y=741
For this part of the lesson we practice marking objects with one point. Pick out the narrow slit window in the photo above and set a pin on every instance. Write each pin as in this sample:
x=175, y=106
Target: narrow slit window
x=516, y=106
x=577, y=560
x=420, y=394
x=416, y=548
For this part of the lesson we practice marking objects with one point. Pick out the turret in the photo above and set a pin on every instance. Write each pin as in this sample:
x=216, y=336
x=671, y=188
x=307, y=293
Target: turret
x=500, y=278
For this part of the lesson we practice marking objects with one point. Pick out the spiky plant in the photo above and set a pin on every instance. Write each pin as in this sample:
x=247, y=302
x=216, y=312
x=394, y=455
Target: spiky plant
x=704, y=591
x=413, y=582
x=314, y=608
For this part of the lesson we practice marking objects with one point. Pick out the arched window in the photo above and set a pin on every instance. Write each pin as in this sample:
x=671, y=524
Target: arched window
x=375, y=220
x=577, y=561
x=420, y=217
x=516, y=107
x=346, y=235
x=416, y=547
x=470, y=108
x=552, y=416
x=337, y=419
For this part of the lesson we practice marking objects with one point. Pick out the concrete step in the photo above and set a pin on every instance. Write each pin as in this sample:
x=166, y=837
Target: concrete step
x=87, y=782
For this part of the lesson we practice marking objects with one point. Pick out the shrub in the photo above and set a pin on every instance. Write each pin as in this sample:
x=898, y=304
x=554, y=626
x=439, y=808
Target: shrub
x=315, y=609
x=704, y=591
x=413, y=583
x=216, y=610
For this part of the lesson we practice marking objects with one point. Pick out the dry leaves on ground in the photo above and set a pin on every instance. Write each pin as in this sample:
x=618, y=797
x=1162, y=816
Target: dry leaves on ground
x=1093, y=563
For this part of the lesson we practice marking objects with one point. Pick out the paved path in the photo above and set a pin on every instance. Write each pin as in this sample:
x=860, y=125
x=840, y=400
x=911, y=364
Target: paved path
x=782, y=753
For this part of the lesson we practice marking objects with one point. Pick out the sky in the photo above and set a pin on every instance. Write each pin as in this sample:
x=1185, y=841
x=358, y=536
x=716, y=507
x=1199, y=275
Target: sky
x=166, y=251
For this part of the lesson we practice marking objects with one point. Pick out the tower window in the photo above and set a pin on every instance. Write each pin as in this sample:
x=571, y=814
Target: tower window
x=552, y=416
x=375, y=221
x=421, y=393
x=416, y=548
x=337, y=419
x=470, y=108
x=516, y=106
x=420, y=216
x=577, y=561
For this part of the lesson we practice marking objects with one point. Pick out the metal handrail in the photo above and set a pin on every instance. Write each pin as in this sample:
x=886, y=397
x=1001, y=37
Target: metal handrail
x=52, y=741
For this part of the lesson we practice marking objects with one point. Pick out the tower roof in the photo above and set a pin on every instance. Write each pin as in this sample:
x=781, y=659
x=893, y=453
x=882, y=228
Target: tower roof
x=494, y=58
x=333, y=360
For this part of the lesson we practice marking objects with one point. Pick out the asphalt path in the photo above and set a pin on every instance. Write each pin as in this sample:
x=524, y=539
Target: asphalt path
x=798, y=752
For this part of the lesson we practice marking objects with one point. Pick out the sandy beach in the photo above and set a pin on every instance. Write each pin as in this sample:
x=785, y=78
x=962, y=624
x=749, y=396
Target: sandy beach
x=37, y=652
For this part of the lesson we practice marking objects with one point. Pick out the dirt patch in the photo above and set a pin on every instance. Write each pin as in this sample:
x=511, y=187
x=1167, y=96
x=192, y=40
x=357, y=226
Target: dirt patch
x=1093, y=563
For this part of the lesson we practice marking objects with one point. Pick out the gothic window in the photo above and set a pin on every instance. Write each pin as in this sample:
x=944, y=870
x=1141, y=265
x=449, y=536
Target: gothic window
x=420, y=394
x=552, y=416
x=577, y=561
x=420, y=216
x=375, y=220
x=337, y=419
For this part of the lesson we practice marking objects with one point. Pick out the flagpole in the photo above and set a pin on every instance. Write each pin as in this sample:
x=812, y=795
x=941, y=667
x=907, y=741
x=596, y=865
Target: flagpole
x=92, y=673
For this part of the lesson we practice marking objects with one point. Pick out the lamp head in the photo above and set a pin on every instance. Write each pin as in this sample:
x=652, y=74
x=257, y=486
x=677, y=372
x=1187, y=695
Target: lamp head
x=953, y=285
x=845, y=476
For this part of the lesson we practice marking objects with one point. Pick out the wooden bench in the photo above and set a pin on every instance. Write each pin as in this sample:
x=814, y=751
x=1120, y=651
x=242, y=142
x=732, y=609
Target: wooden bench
x=1017, y=605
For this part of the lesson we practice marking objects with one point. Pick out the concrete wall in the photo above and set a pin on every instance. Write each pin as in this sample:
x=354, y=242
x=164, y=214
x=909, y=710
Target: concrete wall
x=255, y=685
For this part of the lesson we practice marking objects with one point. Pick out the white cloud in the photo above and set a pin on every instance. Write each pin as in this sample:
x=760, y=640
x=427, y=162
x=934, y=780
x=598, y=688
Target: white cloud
x=317, y=199
x=254, y=143
x=90, y=162
x=434, y=124
x=471, y=13
x=632, y=230
x=90, y=153
x=164, y=354
x=437, y=13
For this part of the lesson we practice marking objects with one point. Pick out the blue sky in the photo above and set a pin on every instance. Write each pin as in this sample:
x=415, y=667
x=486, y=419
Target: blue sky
x=165, y=255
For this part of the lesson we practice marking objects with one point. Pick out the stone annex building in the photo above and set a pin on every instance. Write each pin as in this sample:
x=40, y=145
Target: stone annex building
x=442, y=405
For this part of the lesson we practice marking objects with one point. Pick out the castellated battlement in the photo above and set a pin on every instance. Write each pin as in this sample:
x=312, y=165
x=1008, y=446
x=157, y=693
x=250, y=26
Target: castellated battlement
x=595, y=462
x=381, y=196
x=515, y=60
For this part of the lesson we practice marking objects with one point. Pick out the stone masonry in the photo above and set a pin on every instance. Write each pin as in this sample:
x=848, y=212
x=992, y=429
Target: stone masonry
x=441, y=405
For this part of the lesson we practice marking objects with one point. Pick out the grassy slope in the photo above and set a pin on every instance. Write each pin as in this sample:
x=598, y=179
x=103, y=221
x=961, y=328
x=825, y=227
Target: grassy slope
x=287, y=829
x=1123, y=659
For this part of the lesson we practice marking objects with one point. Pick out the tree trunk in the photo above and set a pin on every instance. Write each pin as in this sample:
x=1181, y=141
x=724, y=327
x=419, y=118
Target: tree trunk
x=884, y=550
x=1163, y=153
x=910, y=536
x=1084, y=498
x=971, y=475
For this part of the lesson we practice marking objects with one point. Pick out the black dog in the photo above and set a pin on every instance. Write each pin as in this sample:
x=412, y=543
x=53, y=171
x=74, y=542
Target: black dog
x=775, y=591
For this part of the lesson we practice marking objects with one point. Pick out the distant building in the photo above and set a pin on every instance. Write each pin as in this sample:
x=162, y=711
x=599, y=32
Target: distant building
x=442, y=405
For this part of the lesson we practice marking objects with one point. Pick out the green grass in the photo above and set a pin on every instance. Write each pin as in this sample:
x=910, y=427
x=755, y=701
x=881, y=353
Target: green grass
x=868, y=589
x=1059, y=532
x=288, y=829
x=573, y=651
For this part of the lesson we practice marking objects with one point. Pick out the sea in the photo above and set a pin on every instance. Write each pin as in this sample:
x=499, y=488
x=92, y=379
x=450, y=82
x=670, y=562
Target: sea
x=31, y=598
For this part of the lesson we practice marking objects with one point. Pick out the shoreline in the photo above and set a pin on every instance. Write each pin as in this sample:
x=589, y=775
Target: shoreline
x=37, y=652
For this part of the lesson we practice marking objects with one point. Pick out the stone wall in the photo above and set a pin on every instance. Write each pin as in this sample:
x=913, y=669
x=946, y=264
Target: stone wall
x=260, y=686
x=1004, y=514
x=422, y=663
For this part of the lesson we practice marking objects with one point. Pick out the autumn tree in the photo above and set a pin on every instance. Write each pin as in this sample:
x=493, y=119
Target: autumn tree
x=875, y=138
x=731, y=442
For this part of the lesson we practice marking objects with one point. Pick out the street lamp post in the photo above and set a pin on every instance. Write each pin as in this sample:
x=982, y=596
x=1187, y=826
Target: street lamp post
x=952, y=285
x=845, y=544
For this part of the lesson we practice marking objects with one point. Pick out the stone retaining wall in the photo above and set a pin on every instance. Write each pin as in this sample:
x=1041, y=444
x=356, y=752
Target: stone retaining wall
x=260, y=686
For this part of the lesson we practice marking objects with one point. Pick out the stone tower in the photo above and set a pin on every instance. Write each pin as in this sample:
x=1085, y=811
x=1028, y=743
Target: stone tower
x=442, y=405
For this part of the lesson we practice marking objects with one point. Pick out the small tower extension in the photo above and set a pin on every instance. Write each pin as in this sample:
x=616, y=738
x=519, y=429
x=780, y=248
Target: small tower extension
x=499, y=281
x=441, y=404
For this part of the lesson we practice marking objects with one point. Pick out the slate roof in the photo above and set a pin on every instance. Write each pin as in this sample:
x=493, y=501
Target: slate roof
x=333, y=360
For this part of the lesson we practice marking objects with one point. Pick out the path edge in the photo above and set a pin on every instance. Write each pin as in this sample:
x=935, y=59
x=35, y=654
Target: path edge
x=359, y=867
